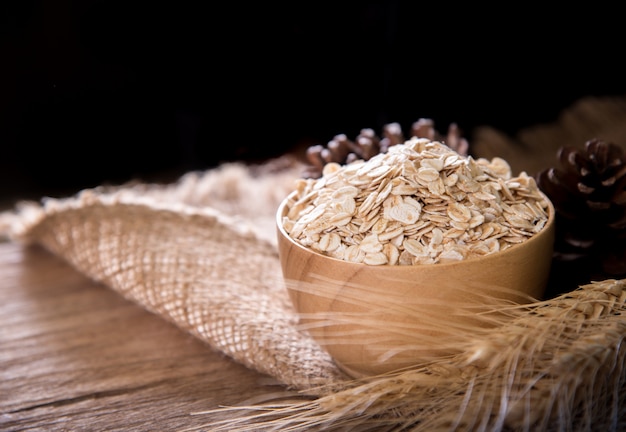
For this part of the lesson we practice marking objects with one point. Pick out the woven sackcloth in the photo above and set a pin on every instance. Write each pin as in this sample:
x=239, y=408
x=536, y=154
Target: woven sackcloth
x=199, y=253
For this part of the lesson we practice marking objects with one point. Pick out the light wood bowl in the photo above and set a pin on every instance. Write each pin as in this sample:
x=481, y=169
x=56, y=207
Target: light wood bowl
x=377, y=319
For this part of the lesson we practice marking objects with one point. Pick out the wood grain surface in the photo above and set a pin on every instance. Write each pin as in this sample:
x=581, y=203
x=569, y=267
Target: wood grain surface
x=76, y=356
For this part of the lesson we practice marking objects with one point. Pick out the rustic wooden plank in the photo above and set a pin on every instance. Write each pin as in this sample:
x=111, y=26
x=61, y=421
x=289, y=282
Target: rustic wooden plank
x=75, y=355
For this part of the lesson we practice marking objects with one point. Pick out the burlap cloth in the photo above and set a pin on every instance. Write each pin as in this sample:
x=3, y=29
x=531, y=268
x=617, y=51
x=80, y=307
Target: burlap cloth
x=201, y=253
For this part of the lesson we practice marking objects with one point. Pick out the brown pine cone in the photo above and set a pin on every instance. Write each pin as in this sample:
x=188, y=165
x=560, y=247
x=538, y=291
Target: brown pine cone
x=367, y=144
x=588, y=190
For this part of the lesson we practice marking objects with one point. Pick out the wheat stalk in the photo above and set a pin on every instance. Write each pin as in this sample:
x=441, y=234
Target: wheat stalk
x=555, y=365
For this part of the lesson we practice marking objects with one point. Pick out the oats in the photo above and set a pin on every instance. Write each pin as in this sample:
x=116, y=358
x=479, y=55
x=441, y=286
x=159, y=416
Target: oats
x=288, y=224
x=379, y=172
x=522, y=232
x=488, y=229
x=405, y=213
x=491, y=213
x=392, y=201
x=369, y=166
x=406, y=258
x=467, y=184
x=345, y=192
x=354, y=253
x=310, y=214
x=368, y=224
x=398, y=240
x=428, y=227
x=404, y=189
x=436, y=187
x=539, y=225
x=452, y=161
x=506, y=191
x=486, y=247
x=523, y=211
x=463, y=226
x=377, y=258
x=371, y=244
x=338, y=253
x=459, y=212
x=380, y=225
x=368, y=204
x=427, y=174
x=414, y=247
x=346, y=205
x=476, y=219
x=438, y=219
x=436, y=237
x=340, y=219
x=514, y=238
x=438, y=208
x=485, y=196
x=383, y=194
x=450, y=179
x=436, y=164
x=455, y=254
x=373, y=214
x=412, y=202
x=391, y=233
x=419, y=203
x=455, y=233
x=329, y=242
x=392, y=253
x=330, y=168
x=296, y=229
x=517, y=221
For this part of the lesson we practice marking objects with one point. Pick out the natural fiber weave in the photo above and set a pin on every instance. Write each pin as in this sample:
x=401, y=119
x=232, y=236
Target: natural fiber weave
x=201, y=254
x=171, y=250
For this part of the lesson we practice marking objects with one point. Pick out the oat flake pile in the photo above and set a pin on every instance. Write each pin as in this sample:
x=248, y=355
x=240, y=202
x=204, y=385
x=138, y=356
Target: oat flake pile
x=418, y=203
x=201, y=254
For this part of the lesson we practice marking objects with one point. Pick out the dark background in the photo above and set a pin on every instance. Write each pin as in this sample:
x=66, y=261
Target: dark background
x=95, y=92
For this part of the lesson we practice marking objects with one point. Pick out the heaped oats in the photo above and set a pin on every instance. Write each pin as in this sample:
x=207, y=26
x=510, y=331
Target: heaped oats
x=418, y=203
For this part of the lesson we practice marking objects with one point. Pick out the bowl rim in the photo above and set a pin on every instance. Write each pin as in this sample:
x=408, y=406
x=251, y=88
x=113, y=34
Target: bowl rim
x=546, y=230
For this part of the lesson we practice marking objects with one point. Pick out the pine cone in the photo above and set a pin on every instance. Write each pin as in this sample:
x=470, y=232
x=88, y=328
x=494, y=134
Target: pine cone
x=588, y=191
x=367, y=144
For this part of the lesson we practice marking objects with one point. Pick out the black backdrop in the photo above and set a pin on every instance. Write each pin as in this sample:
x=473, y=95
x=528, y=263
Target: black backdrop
x=99, y=92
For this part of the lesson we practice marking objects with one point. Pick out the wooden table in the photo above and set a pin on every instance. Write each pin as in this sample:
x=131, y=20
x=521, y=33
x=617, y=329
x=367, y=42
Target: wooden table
x=75, y=355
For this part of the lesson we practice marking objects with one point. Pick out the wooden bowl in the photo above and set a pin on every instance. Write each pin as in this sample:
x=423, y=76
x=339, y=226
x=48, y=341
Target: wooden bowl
x=376, y=319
